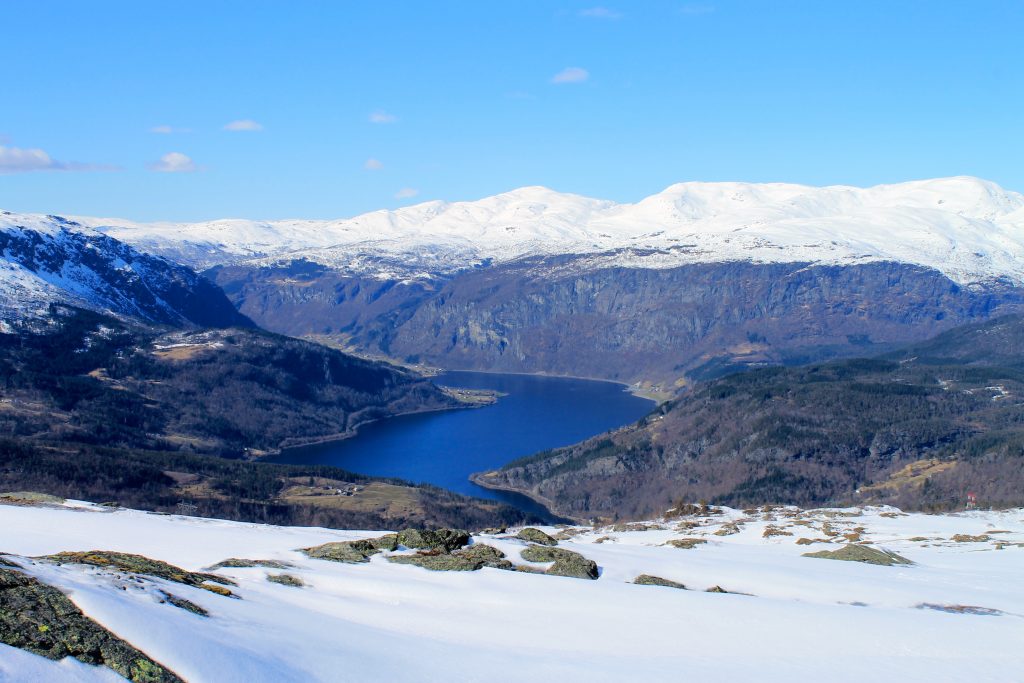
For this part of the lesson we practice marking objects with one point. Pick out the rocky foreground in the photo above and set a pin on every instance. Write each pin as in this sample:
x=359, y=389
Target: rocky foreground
x=91, y=593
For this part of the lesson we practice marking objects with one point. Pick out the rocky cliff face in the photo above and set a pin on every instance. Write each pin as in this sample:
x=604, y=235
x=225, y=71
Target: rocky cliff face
x=550, y=314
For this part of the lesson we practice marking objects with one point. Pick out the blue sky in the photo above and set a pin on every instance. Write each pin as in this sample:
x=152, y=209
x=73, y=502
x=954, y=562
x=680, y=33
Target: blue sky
x=342, y=107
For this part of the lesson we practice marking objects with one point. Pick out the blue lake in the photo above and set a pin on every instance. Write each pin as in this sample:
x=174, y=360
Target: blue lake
x=444, y=448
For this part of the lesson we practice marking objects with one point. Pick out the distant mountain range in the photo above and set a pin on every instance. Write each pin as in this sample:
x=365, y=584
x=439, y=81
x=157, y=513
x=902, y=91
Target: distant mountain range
x=966, y=228
x=689, y=283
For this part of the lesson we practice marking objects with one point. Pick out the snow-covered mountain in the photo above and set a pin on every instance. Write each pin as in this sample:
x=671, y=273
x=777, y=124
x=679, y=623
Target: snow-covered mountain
x=969, y=229
x=49, y=259
x=697, y=277
x=738, y=600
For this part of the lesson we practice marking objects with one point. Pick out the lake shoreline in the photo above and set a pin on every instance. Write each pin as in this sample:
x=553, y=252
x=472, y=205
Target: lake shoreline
x=655, y=398
x=354, y=431
x=479, y=479
x=527, y=413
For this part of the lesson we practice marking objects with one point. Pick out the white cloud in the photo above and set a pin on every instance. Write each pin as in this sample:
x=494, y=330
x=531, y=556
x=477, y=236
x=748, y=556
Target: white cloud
x=168, y=130
x=17, y=160
x=406, y=193
x=382, y=117
x=372, y=164
x=244, y=126
x=20, y=160
x=174, y=162
x=600, y=13
x=571, y=74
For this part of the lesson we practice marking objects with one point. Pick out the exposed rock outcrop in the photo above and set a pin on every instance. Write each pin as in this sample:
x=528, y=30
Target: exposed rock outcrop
x=42, y=620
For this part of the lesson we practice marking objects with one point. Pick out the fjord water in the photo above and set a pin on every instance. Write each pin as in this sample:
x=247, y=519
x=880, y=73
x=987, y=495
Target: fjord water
x=444, y=448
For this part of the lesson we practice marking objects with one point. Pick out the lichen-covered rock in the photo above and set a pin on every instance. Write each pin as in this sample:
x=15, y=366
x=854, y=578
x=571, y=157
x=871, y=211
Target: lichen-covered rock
x=286, y=580
x=686, y=543
x=386, y=542
x=184, y=604
x=648, y=580
x=445, y=540
x=962, y=609
x=968, y=538
x=452, y=539
x=138, y=564
x=487, y=554
x=236, y=563
x=535, y=536
x=476, y=556
x=351, y=552
x=219, y=590
x=861, y=553
x=441, y=562
x=566, y=562
x=42, y=620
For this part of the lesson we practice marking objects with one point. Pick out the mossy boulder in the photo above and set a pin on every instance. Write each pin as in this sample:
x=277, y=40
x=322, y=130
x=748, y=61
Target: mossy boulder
x=352, y=552
x=139, y=564
x=445, y=540
x=386, y=542
x=566, y=562
x=343, y=551
x=648, y=580
x=476, y=556
x=42, y=620
x=532, y=535
x=862, y=553
x=439, y=562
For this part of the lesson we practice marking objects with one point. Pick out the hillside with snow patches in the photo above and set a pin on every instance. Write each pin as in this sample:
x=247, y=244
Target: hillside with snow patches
x=51, y=260
x=754, y=607
x=969, y=229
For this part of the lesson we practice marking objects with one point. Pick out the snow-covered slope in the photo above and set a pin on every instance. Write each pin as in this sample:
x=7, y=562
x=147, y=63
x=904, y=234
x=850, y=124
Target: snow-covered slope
x=970, y=229
x=49, y=259
x=955, y=614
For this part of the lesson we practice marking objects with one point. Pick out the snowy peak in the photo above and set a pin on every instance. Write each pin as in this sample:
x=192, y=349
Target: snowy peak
x=970, y=229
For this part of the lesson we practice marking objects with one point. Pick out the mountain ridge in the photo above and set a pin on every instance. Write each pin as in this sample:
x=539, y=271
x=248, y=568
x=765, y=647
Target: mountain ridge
x=969, y=229
x=50, y=260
